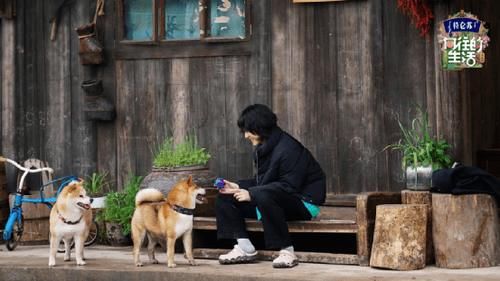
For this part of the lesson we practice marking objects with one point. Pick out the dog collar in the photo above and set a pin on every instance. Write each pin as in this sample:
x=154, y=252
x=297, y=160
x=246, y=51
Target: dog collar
x=66, y=221
x=182, y=210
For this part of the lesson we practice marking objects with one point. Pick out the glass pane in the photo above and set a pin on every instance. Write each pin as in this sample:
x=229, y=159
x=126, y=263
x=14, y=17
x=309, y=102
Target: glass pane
x=227, y=18
x=182, y=19
x=138, y=18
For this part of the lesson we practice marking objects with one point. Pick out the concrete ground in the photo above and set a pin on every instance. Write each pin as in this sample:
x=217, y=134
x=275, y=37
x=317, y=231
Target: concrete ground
x=112, y=263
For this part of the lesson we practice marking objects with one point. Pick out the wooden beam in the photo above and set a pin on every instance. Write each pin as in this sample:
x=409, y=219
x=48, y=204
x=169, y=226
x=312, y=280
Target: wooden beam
x=8, y=86
x=204, y=253
x=313, y=226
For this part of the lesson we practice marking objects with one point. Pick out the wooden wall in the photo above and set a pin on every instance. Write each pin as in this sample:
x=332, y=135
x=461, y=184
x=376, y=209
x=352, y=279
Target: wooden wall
x=484, y=85
x=337, y=74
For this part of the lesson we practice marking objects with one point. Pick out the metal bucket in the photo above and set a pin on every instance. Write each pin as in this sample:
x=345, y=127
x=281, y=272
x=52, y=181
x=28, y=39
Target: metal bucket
x=419, y=178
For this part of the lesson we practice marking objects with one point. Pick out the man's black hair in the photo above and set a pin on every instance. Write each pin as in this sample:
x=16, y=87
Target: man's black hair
x=258, y=119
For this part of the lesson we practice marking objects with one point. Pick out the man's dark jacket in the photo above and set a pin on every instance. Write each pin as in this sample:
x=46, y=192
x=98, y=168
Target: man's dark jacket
x=283, y=162
x=465, y=180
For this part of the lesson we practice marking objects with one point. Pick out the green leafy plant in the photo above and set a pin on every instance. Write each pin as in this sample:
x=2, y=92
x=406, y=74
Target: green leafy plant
x=120, y=205
x=187, y=153
x=96, y=184
x=419, y=148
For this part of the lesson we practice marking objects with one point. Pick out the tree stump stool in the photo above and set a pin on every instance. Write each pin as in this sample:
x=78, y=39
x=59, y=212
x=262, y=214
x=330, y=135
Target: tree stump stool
x=422, y=197
x=399, y=238
x=465, y=230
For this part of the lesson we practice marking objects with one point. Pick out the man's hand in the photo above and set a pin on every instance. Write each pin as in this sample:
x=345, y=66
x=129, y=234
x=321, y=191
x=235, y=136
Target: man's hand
x=242, y=195
x=229, y=187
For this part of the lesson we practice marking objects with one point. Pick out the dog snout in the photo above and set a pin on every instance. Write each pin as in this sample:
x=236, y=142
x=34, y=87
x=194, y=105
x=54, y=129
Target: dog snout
x=91, y=200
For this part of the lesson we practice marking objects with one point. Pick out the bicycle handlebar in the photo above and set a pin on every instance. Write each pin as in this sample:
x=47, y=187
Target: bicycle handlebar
x=25, y=170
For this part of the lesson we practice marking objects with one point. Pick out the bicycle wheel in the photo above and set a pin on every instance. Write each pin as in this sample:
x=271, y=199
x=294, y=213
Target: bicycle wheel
x=17, y=233
x=93, y=233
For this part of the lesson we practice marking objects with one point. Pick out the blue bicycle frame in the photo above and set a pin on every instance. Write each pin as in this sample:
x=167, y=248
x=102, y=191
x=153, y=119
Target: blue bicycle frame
x=16, y=213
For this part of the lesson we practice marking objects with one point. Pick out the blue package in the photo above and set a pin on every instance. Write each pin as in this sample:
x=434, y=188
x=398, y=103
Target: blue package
x=219, y=183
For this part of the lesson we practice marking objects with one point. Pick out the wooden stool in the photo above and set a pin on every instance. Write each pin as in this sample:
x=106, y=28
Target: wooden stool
x=422, y=197
x=399, y=238
x=465, y=230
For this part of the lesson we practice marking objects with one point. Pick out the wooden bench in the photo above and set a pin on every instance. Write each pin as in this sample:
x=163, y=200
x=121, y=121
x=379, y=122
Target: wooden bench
x=355, y=216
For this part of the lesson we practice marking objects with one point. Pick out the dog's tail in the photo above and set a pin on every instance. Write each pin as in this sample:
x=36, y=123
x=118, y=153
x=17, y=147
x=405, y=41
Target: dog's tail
x=148, y=195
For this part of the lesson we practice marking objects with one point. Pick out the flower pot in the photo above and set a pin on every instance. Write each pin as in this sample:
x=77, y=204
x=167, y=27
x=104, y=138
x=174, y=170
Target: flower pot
x=114, y=233
x=419, y=178
x=98, y=203
x=164, y=178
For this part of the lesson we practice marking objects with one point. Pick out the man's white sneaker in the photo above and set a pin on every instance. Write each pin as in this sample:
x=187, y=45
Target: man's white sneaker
x=286, y=259
x=237, y=255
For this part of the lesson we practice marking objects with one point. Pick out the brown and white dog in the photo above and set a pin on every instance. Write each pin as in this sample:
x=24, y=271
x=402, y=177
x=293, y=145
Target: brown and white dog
x=70, y=218
x=165, y=219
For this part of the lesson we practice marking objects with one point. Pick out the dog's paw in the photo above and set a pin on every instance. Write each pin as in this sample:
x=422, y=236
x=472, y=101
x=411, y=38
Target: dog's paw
x=52, y=263
x=192, y=262
x=81, y=262
x=172, y=265
x=67, y=258
x=155, y=261
x=138, y=264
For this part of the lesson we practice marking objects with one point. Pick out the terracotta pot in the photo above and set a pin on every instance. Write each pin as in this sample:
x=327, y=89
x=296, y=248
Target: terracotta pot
x=114, y=234
x=164, y=179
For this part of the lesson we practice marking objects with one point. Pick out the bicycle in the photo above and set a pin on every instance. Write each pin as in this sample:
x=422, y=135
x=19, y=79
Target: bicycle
x=14, y=227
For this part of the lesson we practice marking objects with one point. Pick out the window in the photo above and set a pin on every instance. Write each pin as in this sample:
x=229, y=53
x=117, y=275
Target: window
x=183, y=20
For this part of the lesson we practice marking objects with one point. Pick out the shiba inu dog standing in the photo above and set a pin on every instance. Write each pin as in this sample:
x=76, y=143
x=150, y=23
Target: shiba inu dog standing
x=165, y=219
x=70, y=218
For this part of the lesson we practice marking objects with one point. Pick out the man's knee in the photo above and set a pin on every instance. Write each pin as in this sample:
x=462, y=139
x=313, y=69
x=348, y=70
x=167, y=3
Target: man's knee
x=262, y=197
x=223, y=201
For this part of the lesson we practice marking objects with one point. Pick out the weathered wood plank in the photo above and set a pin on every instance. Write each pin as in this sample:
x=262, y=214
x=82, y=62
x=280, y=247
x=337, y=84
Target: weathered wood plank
x=125, y=75
x=181, y=50
x=313, y=226
x=20, y=86
x=106, y=131
x=366, y=204
x=356, y=101
x=82, y=159
x=181, y=107
x=399, y=237
x=58, y=141
x=404, y=68
x=483, y=87
x=8, y=94
x=147, y=82
x=204, y=253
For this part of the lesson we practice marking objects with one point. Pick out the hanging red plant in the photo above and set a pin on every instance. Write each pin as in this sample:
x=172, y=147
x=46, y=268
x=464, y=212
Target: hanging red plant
x=419, y=12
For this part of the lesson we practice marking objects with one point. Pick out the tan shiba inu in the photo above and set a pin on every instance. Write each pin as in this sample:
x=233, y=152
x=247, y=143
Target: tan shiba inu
x=165, y=219
x=70, y=218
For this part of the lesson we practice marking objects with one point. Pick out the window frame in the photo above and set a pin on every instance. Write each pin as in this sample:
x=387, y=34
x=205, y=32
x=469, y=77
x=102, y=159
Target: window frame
x=159, y=31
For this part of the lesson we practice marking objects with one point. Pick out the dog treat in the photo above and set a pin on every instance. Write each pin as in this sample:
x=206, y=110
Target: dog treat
x=219, y=183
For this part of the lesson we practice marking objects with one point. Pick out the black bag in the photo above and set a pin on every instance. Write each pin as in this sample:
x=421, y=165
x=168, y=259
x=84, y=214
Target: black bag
x=465, y=180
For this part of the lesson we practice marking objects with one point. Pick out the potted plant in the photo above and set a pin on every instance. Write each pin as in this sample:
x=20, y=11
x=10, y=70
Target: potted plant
x=422, y=153
x=96, y=186
x=173, y=162
x=118, y=211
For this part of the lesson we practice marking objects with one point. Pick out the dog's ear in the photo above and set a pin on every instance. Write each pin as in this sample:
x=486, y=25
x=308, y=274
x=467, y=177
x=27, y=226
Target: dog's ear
x=190, y=180
x=72, y=186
